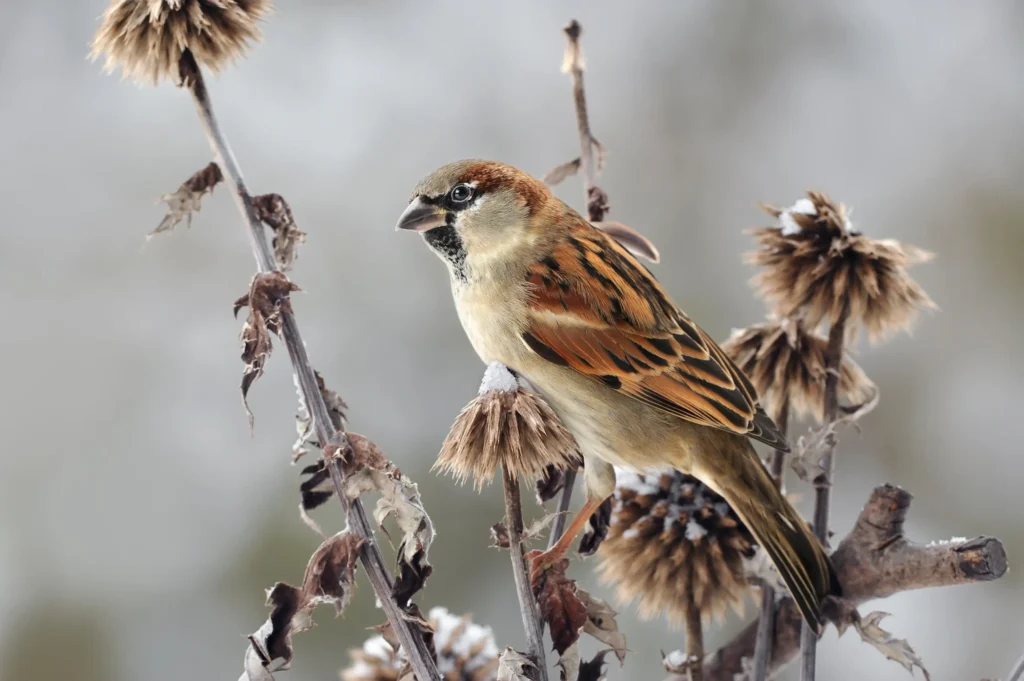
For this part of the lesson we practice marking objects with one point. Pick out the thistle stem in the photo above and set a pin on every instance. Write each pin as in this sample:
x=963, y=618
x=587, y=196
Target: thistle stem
x=562, y=514
x=420, y=657
x=766, y=623
x=532, y=624
x=694, y=634
x=823, y=481
x=597, y=207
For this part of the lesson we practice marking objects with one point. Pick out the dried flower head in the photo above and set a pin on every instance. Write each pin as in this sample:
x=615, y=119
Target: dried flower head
x=465, y=652
x=146, y=38
x=669, y=530
x=816, y=265
x=505, y=426
x=786, y=363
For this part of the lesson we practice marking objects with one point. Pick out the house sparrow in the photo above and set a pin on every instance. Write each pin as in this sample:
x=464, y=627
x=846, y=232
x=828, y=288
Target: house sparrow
x=637, y=383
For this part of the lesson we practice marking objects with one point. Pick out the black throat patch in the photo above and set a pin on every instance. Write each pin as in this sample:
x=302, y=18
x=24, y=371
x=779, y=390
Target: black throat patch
x=448, y=244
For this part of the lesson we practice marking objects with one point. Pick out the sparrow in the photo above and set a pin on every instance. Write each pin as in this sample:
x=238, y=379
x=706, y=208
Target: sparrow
x=632, y=377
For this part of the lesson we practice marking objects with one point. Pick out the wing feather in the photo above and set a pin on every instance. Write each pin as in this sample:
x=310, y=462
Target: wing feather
x=597, y=310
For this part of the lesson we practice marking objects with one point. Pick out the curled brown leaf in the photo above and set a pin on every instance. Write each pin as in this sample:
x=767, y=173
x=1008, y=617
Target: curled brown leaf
x=635, y=242
x=329, y=578
x=559, y=603
x=184, y=202
x=274, y=212
x=557, y=174
x=267, y=297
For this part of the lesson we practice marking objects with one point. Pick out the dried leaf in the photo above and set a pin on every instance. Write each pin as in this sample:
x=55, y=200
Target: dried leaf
x=329, y=579
x=569, y=663
x=274, y=211
x=635, y=242
x=593, y=669
x=560, y=605
x=267, y=297
x=366, y=469
x=896, y=649
x=601, y=624
x=512, y=666
x=336, y=407
x=499, y=536
x=549, y=484
x=557, y=174
x=185, y=202
x=810, y=447
x=597, y=203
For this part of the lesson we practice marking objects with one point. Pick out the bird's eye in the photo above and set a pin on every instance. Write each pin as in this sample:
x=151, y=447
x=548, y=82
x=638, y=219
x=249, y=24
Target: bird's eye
x=461, y=193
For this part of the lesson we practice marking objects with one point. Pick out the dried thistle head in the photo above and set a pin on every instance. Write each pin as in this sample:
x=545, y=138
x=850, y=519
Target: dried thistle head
x=146, y=38
x=465, y=652
x=670, y=531
x=816, y=265
x=786, y=363
x=505, y=426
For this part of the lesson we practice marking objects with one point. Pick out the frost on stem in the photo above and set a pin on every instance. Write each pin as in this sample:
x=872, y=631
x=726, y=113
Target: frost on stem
x=329, y=579
x=147, y=37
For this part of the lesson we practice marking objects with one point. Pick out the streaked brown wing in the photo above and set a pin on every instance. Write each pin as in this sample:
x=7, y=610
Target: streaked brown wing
x=597, y=310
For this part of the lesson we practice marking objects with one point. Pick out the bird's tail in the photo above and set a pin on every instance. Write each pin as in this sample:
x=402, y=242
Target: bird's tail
x=780, y=531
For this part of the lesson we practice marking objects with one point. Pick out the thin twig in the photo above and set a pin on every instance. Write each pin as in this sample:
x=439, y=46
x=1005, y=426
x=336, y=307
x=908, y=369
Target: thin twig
x=527, y=603
x=412, y=642
x=597, y=207
x=766, y=624
x=823, y=481
x=1017, y=673
x=874, y=561
x=562, y=514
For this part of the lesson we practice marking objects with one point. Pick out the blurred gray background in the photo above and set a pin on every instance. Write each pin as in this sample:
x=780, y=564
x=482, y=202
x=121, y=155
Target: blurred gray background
x=140, y=522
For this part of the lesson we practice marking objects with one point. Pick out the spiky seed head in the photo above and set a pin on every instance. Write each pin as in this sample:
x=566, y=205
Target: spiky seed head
x=465, y=652
x=817, y=266
x=146, y=38
x=670, y=531
x=509, y=427
x=786, y=363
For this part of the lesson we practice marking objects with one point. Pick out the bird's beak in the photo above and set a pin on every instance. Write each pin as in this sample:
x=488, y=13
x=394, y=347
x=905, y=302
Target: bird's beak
x=420, y=216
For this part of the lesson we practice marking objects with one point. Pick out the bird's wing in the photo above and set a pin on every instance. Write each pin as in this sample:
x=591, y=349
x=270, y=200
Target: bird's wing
x=595, y=309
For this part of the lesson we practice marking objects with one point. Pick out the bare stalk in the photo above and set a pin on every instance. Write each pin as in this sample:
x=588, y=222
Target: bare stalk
x=694, y=634
x=874, y=561
x=420, y=657
x=527, y=603
x=1017, y=673
x=823, y=481
x=766, y=624
x=597, y=206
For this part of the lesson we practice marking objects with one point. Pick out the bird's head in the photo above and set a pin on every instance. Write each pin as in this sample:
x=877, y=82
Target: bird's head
x=476, y=210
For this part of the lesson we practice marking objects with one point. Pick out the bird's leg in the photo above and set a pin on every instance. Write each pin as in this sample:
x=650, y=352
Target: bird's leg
x=540, y=561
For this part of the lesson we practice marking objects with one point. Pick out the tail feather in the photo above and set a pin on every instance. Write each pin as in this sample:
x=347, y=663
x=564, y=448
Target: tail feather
x=780, y=531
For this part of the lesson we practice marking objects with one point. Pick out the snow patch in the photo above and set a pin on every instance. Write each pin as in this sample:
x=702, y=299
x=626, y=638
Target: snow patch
x=498, y=379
